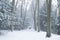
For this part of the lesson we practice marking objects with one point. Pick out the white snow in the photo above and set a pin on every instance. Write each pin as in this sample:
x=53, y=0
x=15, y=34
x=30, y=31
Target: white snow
x=28, y=35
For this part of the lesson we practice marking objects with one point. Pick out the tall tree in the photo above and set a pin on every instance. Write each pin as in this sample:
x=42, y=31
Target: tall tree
x=48, y=2
x=34, y=9
x=12, y=12
x=38, y=16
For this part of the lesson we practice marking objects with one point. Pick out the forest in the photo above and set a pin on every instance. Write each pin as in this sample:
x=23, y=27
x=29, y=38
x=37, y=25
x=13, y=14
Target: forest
x=34, y=15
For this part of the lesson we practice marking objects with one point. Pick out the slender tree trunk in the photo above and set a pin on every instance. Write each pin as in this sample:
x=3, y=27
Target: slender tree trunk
x=35, y=24
x=35, y=21
x=21, y=8
x=12, y=11
x=48, y=2
x=34, y=7
x=38, y=17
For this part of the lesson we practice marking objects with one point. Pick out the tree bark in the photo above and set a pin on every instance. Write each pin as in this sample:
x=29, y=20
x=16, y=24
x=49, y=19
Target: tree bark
x=48, y=2
x=12, y=12
x=38, y=17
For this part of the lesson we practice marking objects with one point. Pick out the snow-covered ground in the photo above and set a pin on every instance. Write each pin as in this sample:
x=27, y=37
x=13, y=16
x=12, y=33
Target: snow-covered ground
x=27, y=35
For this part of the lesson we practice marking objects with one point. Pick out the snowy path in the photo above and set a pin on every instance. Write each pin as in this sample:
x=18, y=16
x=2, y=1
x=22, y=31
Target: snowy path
x=28, y=35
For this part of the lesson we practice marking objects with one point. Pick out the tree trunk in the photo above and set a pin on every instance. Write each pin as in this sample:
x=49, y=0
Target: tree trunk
x=38, y=17
x=48, y=2
x=34, y=15
x=12, y=11
x=35, y=21
x=21, y=8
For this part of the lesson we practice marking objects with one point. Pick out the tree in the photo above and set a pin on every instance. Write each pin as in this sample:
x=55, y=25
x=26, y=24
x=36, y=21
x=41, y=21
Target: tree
x=38, y=16
x=5, y=11
x=35, y=24
x=22, y=7
x=48, y=3
x=34, y=9
x=12, y=12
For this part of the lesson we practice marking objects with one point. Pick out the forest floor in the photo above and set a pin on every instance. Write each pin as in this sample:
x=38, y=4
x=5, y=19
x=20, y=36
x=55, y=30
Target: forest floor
x=27, y=35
